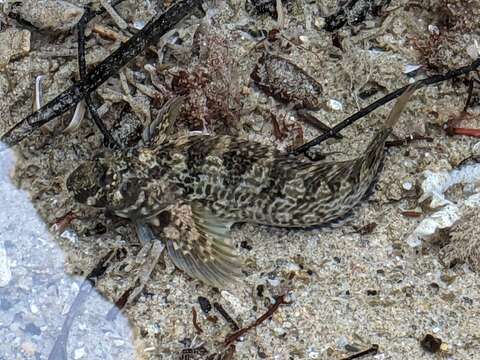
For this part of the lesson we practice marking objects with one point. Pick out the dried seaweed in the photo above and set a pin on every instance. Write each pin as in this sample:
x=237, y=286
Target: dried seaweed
x=287, y=82
x=353, y=12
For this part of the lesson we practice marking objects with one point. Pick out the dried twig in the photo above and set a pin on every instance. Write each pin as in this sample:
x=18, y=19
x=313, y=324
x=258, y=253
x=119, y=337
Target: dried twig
x=197, y=327
x=82, y=69
x=225, y=315
x=279, y=300
x=155, y=28
x=435, y=79
x=372, y=351
x=408, y=140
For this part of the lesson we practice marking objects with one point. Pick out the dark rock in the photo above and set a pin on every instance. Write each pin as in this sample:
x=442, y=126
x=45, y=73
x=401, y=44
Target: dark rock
x=32, y=329
x=431, y=344
x=205, y=304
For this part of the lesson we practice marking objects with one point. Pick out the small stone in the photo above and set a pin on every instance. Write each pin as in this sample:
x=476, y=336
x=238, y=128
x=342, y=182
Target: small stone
x=341, y=342
x=13, y=44
x=335, y=105
x=319, y=22
x=205, y=304
x=431, y=344
x=32, y=329
x=313, y=354
x=79, y=353
x=433, y=29
x=118, y=342
x=139, y=24
x=279, y=331
x=34, y=308
x=51, y=15
x=407, y=185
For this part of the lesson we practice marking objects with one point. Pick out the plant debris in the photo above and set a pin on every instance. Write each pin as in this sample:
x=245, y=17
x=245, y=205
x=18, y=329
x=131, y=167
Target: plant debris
x=225, y=315
x=287, y=82
x=279, y=300
x=372, y=351
x=431, y=343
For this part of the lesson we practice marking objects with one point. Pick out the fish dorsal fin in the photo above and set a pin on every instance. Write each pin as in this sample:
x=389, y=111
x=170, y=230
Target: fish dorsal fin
x=199, y=243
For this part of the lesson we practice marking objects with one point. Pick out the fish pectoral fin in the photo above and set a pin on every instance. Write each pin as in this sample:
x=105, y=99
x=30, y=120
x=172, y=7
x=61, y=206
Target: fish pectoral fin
x=199, y=244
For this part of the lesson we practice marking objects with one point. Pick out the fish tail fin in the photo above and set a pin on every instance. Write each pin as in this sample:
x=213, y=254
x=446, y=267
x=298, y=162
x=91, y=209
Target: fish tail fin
x=399, y=106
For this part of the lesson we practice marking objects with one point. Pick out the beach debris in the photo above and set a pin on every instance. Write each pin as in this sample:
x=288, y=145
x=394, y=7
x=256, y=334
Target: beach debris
x=269, y=7
x=435, y=79
x=52, y=15
x=197, y=327
x=353, y=12
x=287, y=82
x=279, y=300
x=205, y=304
x=431, y=343
x=147, y=257
x=13, y=44
x=371, y=351
x=225, y=315
x=448, y=212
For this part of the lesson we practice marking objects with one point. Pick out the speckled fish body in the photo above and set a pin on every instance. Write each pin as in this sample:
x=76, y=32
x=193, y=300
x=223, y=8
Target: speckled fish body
x=193, y=188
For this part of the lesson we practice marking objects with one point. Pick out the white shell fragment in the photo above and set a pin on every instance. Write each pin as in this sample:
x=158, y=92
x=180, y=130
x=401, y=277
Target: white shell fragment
x=51, y=15
x=335, y=105
x=434, y=186
x=409, y=68
x=13, y=43
x=473, y=50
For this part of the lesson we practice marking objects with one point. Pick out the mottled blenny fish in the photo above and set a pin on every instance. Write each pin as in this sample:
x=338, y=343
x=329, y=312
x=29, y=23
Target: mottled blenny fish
x=193, y=188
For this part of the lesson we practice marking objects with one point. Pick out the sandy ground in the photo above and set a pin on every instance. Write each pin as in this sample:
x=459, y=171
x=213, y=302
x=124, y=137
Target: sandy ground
x=349, y=286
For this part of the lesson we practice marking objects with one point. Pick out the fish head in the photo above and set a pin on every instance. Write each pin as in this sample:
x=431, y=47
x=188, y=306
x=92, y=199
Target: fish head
x=101, y=184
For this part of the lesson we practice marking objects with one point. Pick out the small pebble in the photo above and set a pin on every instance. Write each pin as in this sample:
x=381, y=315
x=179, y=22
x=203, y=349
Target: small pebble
x=407, y=185
x=34, y=308
x=205, y=304
x=79, y=353
x=335, y=105
x=431, y=344
x=32, y=329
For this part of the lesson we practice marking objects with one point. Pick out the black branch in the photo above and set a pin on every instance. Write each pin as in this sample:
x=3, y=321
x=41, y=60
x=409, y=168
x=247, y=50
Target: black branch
x=153, y=30
x=435, y=79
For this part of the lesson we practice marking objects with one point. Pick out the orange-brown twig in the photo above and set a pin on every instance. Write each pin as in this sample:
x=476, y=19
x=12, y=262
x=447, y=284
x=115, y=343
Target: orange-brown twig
x=279, y=300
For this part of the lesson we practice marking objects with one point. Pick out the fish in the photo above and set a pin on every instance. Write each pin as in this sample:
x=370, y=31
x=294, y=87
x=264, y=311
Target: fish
x=191, y=189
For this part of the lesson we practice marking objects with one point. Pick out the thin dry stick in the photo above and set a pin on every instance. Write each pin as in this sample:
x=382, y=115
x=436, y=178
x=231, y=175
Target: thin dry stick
x=435, y=79
x=372, y=351
x=279, y=300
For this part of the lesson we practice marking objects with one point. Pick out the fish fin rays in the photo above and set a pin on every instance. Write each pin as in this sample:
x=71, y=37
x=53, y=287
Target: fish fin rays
x=201, y=246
